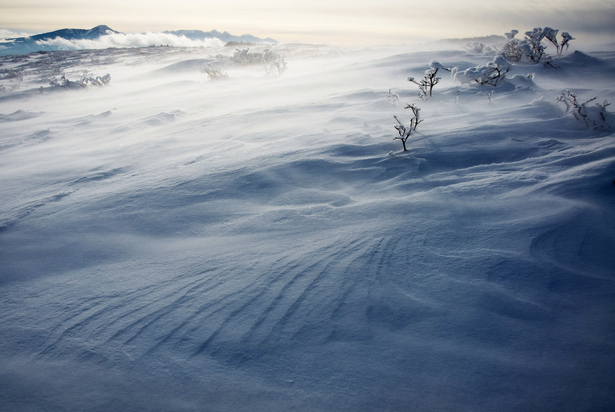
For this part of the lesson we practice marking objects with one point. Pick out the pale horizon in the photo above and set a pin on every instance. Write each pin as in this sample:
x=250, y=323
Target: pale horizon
x=366, y=22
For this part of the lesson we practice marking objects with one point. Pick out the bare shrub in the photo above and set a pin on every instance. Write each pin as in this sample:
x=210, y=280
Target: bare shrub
x=214, y=72
x=594, y=116
x=491, y=74
x=405, y=131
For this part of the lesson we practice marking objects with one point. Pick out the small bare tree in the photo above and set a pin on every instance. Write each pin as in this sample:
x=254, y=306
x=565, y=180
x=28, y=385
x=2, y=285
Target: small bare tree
x=406, y=131
x=427, y=83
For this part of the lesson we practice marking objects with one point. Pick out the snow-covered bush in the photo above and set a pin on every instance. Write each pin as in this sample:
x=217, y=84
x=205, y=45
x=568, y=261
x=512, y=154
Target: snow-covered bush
x=214, y=72
x=406, y=131
x=15, y=74
x=81, y=83
x=427, y=83
x=492, y=74
x=61, y=82
x=511, y=49
x=530, y=49
x=566, y=37
x=274, y=63
x=393, y=97
x=276, y=67
x=478, y=47
x=522, y=82
x=12, y=78
x=594, y=116
x=97, y=81
x=245, y=57
x=533, y=39
x=551, y=35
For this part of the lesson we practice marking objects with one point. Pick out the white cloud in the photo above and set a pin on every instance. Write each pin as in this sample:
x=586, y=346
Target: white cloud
x=130, y=40
x=9, y=34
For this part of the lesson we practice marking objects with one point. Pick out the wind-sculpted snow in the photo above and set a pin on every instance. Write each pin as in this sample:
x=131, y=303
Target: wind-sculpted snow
x=170, y=242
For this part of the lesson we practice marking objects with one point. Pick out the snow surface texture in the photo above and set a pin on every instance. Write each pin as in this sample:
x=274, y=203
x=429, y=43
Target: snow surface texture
x=171, y=242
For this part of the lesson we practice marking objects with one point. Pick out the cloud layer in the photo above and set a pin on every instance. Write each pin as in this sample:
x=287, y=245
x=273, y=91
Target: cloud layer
x=129, y=40
x=10, y=34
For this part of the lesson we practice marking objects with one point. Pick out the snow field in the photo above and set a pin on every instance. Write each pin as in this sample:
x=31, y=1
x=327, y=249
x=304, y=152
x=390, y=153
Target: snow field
x=170, y=242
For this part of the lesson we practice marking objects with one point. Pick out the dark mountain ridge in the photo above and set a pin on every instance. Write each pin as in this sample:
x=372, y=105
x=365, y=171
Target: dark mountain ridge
x=72, y=34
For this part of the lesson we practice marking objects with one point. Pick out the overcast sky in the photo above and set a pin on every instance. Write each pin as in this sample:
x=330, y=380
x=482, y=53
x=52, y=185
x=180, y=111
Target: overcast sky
x=328, y=21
